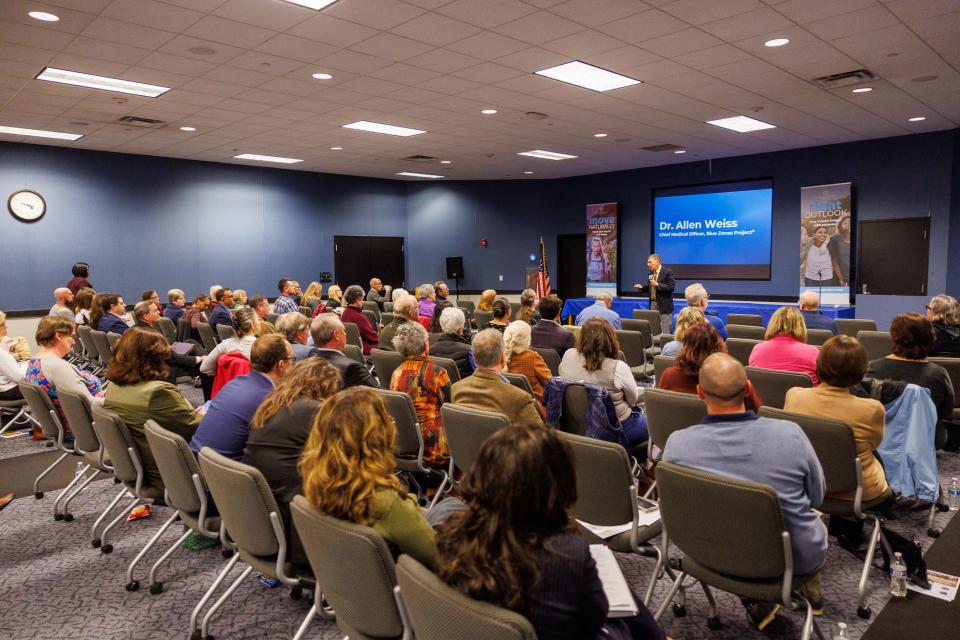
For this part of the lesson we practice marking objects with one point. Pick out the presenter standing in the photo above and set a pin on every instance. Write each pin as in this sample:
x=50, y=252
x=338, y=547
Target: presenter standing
x=659, y=290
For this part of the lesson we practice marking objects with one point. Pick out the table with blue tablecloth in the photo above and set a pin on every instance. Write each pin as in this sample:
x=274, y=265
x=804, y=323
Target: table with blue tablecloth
x=625, y=306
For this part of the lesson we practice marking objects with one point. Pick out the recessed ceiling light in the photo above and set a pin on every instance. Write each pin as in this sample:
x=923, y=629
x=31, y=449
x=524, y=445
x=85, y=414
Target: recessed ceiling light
x=410, y=174
x=917, y=119
x=39, y=133
x=528, y=173
x=336, y=148
x=446, y=161
x=862, y=90
x=322, y=76
x=678, y=151
x=599, y=135
x=43, y=15
x=741, y=124
x=389, y=129
x=488, y=112
x=101, y=82
x=776, y=42
x=188, y=128
x=312, y=4
x=588, y=76
x=254, y=156
x=547, y=155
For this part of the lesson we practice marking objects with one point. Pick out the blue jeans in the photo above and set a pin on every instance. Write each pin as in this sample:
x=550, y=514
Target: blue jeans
x=635, y=428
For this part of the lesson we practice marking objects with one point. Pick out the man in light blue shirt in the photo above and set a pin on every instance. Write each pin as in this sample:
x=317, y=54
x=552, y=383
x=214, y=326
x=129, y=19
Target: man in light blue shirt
x=600, y=309
x=734, y=442
x=697, y=296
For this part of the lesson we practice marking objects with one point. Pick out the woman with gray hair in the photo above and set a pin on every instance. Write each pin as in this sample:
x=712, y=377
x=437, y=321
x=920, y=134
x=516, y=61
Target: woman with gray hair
x=427, y=385
x=427, y=305
x=397, y=293
x=520, y=358
x=944, y=312
x=451, y=343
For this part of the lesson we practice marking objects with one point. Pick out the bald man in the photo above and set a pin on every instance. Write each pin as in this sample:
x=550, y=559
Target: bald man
x=734, y=442
x=809, y=309
x=63, y=306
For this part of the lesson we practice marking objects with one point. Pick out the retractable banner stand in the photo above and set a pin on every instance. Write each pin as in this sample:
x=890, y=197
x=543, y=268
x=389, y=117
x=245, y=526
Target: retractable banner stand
x=826, y=223
x=602, y=224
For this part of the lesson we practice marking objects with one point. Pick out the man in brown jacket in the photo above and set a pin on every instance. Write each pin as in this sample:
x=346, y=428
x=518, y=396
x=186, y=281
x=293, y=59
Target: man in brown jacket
x=487, y=390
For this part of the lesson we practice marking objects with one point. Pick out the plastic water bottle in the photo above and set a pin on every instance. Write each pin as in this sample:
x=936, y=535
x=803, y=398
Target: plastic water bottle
x=953, y=494
x=841, y=632
x=898, y=577
x=79, y=471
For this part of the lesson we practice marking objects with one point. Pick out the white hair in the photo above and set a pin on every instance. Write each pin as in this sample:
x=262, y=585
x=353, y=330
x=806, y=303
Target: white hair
x=410, y=339
x=214, y=289
x=516, y=338
x=809, y=299
x=396, y=293
x=603, y=296
x=452, y=320
x=694, y=294
x=426, y=290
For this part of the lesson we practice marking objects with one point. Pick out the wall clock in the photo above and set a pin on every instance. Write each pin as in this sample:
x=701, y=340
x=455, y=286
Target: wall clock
x=27, y=205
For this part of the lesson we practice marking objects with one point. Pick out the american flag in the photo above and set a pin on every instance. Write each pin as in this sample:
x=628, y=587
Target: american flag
x=543, y=278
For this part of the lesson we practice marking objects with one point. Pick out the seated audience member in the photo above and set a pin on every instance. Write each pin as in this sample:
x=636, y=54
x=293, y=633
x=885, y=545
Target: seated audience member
x=548, y=334
x=330, y=337
x=83, y=303
x=146, y=317
x=442, y=289
x=427, y=384
x=701, y=342
x=687, y=317
x=220, y=313
x=378, y=293
x=451, y=343
x=515, y=545
x=247, y=327
x=785, y=347
x=486, y=300
x=239, y=300
x=296, y=328
x=150, y=295
x=944, y=312
x=139, y=390
x=176, y=301
x=405, y=309
x=426, y=305
x=213, y=290
x=313, y=295
x=734, y=441
x=487, y=390
x=812, y=318
x=261, y=306
x=334, y=297
x=226, y=424
x=63, y=306
x=279, y=431
x=600, y=309
x=196, y=313
x=596, y=360
x=396, y=293
x=10, y=373
x=286, y=302
x=528, y=307
x=697, y=297
x=47, y=368
x=112, y=307
x=353, y=312
x=501, y=315
x=438, y=309
x=912, y=336
x=80, y=271
x=349, y=472
x=520, y=358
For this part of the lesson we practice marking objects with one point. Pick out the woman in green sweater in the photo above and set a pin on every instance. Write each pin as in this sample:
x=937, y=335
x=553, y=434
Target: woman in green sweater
x=349, y=472
x=139, y=391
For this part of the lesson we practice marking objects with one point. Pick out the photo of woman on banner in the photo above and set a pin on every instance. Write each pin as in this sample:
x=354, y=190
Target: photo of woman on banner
x=816, y=263
x=598, y=264
x=839, y=246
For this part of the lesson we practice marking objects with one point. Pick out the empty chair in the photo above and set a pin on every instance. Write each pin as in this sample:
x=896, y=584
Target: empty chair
x=576, y=401
x=439, y=612
x=184, y=330
x=644, y=327
x=112, y=340
x=877, y=344
x=468, y=307
x=19, y=411
x=354, y=352
x=818, y=336
x=384, y=364
x=772, y=385
x=206, y=336
x=272, y=318
x=653, y=318
x=748, y=332
x=514, y=309
x=740, y=348
x=661, y=364
x=89, y=347
x=78, y=412
x=745, y=319
x=482, y=318
x=225, y=331
x=369, y=305
x=669, y=411
x=467, y=428
x=353, y=334
x=449, y=365
x=551, y=357
x=518, y=380
x=850, y=326
x=374, y=318
x=46, y=415
x=634, y=345
x=168, y=329
x=102, y=346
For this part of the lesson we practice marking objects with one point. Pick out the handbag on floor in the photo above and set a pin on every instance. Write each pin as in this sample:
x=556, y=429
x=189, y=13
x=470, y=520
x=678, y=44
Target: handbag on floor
x=912, y=554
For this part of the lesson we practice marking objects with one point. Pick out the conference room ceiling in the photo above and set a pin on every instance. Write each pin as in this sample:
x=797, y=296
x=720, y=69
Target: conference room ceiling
x=240, y=73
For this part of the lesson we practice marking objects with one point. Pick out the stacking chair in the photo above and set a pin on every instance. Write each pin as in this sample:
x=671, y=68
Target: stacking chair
x=46, y=415
x=741, y=348
x=482, y=318
x=353, y=334
x=576, y=401
x=168, y=329
x=184, y=330
x=772, y=385
x=643, y=326
x=818, y=336
x=206, y=336
x=745, y=550
x=433, y=337
x=90, y=353
x=467, y=428
x=745, y=319
x=112, y=340
x=387, y=307
x=668, y=411
x=354, y=352
x=514, y=309
x=272, y=318
x=551, y=357
x=749, y=332
x=225, y=331
x=409, y=454
x=20, y=412
x=386, y=318
x=877, y=344
x=952, y=365
x=519, y=381
x=836, y=449
x=305, y=311
x=634, y=345
x=102, y=346
x=384, y=364
x=79, y=414
x=439, y=612
x=250, y=518
x=356, y=570
x=661, y=364
x=850, y=326
x=374, y=318
x=453, y=371
x=572, y=328
x=652, y=317
x=373, y=307
x=468, y=306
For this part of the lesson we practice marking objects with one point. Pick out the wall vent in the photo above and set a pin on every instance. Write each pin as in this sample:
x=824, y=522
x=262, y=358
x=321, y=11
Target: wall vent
x=845, y=79
x=662, y=148
x=137, y=121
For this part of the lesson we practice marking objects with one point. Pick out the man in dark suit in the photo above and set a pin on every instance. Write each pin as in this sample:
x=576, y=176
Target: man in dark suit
x=548, y=334
x=330, y=337
x=809, y=303
x=146, y=316
x=659, y=289
x=113, y=308
x=220, y=314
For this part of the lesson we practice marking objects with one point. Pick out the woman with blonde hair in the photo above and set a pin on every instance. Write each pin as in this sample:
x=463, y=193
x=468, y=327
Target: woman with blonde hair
x=349, y=472
x=334, y=297
x=486, y=300
x=313, y=294
x=520, y=358
x=687, y=317
x=785, y=345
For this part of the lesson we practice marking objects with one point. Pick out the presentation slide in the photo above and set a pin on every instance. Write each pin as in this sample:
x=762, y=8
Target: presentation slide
x=715, y=232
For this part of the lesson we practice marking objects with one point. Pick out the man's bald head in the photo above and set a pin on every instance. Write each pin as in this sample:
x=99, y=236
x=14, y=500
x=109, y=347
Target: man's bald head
x=723, y=383
x=809, y=300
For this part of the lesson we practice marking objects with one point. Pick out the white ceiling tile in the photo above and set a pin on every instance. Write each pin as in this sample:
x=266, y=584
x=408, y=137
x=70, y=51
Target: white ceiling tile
x=392, y=47
x=25, y=55
x=443, y=61
x=404, y=74
x=680, y=43
x=214, y=88
x=371, y=86
x=265, y=63
x=697, y=12
x=378, y=14
x=755, y=23
x=436, y=29
x=640, y=27
x=87, y=6
x=175, y=64
x=488, y=73
x=416, y=95
x=71, y=21
x=908, y=10
x=32, y=36
x=488, y=14
x=229, y=32
x=583, y=44
x=352, y=61
x=111, y=51
x=127, y=33
x=538, y=28
x=853, y=23
x=236, y=75
x=713, y=57
x=278, y=16
x=182, y=46
x=592, y=13
x=806, y=11
x=291, y=87
x=302, y=49
x=329, y=30
x=449, y=85
x=487, y=45
x=151, y=13
x=533, y=59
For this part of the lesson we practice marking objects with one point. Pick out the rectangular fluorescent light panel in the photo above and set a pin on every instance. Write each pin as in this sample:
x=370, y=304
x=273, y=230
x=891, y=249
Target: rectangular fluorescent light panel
x=588, y=76
x=312, y=4
x=547, y=155
x=101, y=82
x=418, y=175
x=39, y=133
x=254, y=156
x=741, y=124
x=389, y=129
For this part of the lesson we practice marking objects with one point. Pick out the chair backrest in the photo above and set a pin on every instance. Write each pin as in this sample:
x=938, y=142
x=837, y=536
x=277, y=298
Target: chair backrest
x=438, y=612
x=369, y=305
x=467, y=429
x=206, y=336
x=225, y=331
x=177, y=466
x=833, y=443
x=434, y=337
x=551, y=357
x=272, y=318
x=518, y=380
x=305, y=311
x=184, y=330
x=386, y=318
x=354, y=568
x=168, y=329
x=952, y=365
x=669, y=411
x=353, y=334
x=374, y=318
x=468, y=306
x=745, y=319
x=877, y=344
x=102, y=346
x=576, y=401
x=745, y=535
x=772, y=385
x=632, y=347
x=652, y=316
x=404, y=414
x=604, y=482
x=850, y=326
x=384, y=364
x=741, y=348
x=79, y=415
x=661, y=364
x=40, y=407
x=749, y=332
x=453, y=371
x=818, y=336
x=635, y=324
x=514, y=310
x=482, y=318
x=354, y=352
x=86, y=341
x=119, y=444
x=112, y=340
x=244, y=501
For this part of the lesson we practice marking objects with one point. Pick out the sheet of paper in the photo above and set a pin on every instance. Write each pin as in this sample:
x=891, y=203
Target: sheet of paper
x=942, y=586
x=619, y=597
x=604, y=532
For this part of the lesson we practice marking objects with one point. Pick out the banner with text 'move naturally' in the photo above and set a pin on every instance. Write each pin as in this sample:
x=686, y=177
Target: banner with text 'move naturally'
x=602, y=223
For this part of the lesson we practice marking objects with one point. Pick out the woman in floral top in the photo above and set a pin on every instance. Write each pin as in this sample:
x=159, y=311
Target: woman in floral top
x=428, y=386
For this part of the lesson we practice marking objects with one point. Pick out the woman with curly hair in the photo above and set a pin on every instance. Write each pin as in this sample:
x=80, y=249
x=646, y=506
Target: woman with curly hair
x=486, y=300
x=687, y=317
x=349, y=472
x=515, y=546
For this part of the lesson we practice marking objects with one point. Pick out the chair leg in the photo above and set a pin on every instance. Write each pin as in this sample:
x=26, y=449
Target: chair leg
x=205, y=623
x=673, y=591
x=807, y=622
x=862, y=611
x=302, y=629
x=83, y=485
x=104, y=546
x=36, y=483
x=93, y=530
x=657, y=571
x=154, y=585
x=440, y=490
x=195, y=614
x=67, y=492
x=710, y=600
x=133, y=585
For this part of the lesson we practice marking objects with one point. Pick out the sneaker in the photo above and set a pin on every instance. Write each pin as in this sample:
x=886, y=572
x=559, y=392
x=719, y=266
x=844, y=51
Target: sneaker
x=762, y=613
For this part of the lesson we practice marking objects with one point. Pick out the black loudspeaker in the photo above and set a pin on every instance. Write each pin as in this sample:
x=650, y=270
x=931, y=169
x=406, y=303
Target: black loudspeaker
x=454, y=267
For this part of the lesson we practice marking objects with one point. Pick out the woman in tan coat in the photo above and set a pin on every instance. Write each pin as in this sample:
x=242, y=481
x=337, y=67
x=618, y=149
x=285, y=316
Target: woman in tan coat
x=520, y=358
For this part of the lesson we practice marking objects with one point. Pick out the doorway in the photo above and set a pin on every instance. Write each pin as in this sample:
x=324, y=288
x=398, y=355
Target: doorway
x=357, y=259
x=571, y=266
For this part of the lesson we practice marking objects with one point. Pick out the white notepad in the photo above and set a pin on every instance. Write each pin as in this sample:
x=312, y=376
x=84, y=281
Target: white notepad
x=619, y=597
x=644, y=519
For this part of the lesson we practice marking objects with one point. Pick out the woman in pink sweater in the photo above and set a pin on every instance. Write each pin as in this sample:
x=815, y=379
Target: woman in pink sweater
x=785, y=347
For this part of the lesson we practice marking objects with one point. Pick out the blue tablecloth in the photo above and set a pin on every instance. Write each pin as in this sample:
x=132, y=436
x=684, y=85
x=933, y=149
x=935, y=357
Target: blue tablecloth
x=625, y=306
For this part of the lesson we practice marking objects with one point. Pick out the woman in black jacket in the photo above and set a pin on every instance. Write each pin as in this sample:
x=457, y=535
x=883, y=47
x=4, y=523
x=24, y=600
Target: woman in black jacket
x=452, y=344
